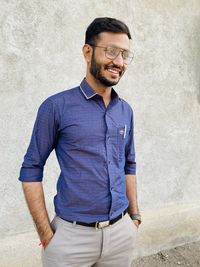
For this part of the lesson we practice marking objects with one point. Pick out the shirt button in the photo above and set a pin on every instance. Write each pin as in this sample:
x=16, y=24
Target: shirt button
x=108, y=137
x=109, y=162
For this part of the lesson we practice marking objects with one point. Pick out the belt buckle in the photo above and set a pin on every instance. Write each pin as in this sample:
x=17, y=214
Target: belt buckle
x=100, y=225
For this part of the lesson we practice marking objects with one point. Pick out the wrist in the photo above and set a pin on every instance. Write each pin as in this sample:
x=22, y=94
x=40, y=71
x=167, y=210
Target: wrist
x=136, y=217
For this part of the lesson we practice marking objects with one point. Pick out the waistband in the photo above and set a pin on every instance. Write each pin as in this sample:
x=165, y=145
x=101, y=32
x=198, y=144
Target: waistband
x=102, y=224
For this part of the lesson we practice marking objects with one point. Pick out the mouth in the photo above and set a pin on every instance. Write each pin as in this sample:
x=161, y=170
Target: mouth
x=114, y=71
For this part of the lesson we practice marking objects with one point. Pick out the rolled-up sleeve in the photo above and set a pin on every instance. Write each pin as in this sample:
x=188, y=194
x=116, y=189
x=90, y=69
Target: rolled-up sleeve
x=130, y=163
x=43, y=141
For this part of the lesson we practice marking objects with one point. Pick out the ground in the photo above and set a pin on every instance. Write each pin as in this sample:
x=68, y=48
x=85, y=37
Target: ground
x=187, y=255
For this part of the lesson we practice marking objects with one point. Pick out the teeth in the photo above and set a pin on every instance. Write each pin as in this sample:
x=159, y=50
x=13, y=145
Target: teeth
x=113, y=71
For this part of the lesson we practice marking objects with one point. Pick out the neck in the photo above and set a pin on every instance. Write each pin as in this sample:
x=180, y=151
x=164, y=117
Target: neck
x=100, y=89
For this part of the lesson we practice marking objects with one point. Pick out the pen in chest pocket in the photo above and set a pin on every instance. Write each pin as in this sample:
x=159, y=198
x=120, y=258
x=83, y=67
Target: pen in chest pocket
x=125, y=127
x=123, y=130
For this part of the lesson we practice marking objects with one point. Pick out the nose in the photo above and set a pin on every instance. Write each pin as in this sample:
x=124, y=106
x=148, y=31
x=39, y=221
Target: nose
x=119, y=60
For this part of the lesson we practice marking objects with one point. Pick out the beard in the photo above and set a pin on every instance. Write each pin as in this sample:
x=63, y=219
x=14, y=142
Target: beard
x=96, y=71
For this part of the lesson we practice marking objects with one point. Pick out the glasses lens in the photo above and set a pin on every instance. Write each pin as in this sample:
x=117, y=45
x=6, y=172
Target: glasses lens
x=113, y=52
x=127, y=56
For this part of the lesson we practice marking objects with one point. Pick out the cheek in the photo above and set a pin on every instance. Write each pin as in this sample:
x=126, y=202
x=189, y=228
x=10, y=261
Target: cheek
x=125, y=68
x=102, y=61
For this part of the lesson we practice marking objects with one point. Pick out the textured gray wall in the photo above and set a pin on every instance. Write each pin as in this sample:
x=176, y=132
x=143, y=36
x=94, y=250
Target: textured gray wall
x=40, y=54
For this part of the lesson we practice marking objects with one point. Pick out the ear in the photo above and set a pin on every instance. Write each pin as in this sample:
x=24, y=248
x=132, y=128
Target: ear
x=87, y=52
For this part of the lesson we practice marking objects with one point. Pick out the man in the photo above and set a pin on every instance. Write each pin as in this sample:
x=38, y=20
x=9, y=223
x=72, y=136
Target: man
x=91, y=130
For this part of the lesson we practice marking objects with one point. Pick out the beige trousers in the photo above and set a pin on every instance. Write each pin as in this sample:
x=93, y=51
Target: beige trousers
x=81, y=246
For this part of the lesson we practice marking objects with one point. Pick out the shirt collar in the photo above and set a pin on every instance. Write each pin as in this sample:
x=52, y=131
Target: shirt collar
x=88, y=92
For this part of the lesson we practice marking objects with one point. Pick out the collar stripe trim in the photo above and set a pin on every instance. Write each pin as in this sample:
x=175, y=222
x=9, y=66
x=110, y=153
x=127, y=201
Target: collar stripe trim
x=87, y=97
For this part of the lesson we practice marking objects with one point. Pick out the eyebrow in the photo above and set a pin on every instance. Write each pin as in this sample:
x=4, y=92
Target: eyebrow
x=114, y=46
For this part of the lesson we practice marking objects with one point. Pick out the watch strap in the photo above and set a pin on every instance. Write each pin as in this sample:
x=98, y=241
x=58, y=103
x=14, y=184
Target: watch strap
x=136, y=216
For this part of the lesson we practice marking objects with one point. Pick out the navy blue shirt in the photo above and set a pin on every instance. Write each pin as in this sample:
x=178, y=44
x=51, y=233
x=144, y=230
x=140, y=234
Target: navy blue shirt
x=94, y=147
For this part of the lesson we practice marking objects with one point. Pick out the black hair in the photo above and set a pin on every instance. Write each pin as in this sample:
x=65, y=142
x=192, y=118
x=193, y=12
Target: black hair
x=104, y=24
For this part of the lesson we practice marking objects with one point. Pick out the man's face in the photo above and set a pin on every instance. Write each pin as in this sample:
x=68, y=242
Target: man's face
x=108, y=71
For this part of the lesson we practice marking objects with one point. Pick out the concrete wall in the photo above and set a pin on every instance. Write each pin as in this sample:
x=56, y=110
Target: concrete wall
x=40, y=54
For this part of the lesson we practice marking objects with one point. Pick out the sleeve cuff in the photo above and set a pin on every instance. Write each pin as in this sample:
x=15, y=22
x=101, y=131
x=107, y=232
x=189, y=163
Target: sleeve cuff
x=130, y=170
x=30, y=175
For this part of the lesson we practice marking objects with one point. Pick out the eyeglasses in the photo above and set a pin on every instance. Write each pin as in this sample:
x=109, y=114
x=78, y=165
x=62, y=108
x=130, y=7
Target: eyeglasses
x=111, y=52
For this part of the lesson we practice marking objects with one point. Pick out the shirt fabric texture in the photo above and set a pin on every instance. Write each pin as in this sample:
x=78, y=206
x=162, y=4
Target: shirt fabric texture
x=94, y=146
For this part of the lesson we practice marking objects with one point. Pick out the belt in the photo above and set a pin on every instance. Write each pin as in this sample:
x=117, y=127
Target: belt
x=102, y=224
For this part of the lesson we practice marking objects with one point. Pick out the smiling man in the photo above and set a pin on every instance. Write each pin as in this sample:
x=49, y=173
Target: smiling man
x=91, y=129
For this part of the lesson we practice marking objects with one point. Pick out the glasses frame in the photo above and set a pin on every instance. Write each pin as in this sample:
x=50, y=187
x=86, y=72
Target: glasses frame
x=121, y=50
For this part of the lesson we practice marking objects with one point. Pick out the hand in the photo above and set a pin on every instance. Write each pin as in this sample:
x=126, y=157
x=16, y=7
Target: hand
x=46, y=238
x=136, y=222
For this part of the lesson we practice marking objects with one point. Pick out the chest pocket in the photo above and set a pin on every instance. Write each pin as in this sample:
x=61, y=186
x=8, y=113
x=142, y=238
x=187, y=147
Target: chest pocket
x=122, y=135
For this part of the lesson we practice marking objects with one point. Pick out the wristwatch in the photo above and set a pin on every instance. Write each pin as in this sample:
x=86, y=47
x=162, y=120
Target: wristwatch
x=136, y=216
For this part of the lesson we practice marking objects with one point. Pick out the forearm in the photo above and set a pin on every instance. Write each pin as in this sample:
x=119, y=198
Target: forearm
x=34, y=195
x=131, y=191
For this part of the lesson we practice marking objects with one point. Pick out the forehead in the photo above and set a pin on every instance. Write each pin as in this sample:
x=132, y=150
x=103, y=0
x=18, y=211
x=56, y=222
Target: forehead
x=114, y=39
